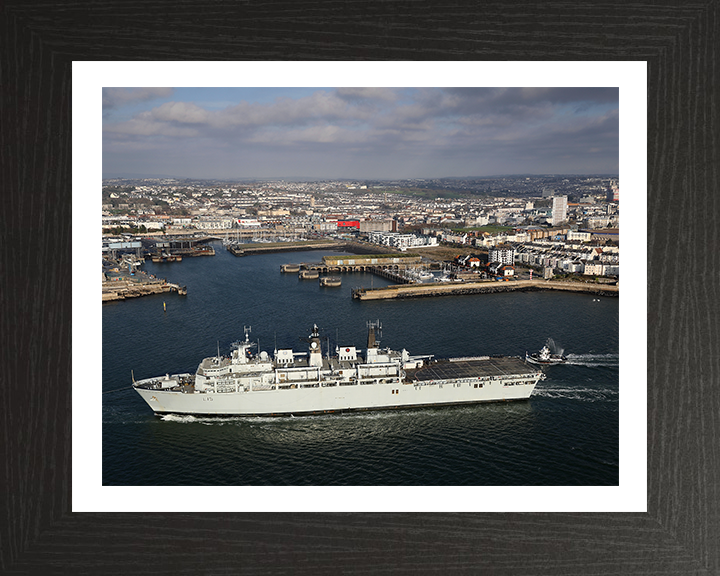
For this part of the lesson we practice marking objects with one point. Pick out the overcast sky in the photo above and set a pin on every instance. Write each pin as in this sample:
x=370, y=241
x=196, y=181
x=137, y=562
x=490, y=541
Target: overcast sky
x=373, y=133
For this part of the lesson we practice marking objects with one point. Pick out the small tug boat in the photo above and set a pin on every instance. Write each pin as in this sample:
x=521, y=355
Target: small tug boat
x=545, y=357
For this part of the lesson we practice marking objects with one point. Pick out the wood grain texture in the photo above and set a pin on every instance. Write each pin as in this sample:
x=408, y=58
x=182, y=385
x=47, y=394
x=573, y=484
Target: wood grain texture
x=680, y=533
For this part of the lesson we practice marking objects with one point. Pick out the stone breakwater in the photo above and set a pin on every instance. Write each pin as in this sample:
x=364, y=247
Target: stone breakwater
x=487, y=287
x=123, y=289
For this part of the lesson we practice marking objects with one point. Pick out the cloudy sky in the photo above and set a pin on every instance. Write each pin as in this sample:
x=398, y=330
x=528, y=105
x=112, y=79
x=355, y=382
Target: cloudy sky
x=374, y=133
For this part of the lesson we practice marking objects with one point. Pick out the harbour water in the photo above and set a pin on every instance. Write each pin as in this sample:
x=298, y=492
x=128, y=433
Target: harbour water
x=565, y=434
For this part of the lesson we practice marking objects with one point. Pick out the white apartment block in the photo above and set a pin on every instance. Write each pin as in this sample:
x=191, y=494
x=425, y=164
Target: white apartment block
x=247, y=222
x=324, y=227
x=559, y=210
x=214, y=223
x=581, y=236
x=479, y=220
x=151, y=224
x=571, y=266
x=594, y=269
x=502, y=254
x=455, y=238
x=401, y=241
x=595, y=222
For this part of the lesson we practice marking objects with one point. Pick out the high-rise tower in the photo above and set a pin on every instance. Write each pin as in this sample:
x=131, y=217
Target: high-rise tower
x=559, y=210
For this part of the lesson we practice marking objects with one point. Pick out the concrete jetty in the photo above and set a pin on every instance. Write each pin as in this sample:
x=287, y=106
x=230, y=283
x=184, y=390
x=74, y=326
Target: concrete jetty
x=485, y=287
x=265, y=248
x=122, y=289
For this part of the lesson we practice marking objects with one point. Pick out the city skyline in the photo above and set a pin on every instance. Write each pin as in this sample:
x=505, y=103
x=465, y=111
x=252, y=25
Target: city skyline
x=371, y=133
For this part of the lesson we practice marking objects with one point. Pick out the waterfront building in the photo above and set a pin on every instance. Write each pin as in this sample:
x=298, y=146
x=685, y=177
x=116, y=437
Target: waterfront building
x=210, y=223
x=505, y=254
x=594, y=269
x=500, y=269
x=401, y=241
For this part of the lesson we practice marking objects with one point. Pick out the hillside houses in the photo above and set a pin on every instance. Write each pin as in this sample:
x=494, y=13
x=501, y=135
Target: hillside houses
x=390, y=214
x=569, y=258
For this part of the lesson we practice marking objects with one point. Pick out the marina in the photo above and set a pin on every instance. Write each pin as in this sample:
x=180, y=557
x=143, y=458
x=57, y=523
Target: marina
x=408, y=273
x=410, y=279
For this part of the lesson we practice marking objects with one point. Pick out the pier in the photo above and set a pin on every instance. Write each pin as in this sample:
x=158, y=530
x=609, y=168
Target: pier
x=391, y=272
x=390, y=266
x=237, y=249
x=486, y=287
x=113, y=290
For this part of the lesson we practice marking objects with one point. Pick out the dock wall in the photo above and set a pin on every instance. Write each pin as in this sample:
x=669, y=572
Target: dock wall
x=487, y=287
x=123, y=289
x=250, y=249
x=352, y=247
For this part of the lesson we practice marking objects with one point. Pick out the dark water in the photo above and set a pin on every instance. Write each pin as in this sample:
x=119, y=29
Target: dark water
x=565, y=434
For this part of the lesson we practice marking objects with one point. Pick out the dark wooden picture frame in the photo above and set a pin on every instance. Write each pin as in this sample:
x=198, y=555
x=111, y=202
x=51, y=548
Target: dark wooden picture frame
x=680, y=532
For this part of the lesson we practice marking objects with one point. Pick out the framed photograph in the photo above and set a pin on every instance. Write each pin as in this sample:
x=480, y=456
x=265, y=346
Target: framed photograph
x=401, y=138
x=60, y=515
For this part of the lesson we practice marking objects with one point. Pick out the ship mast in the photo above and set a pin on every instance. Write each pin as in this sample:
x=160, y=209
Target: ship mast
x=315, y=351
x=372, y=326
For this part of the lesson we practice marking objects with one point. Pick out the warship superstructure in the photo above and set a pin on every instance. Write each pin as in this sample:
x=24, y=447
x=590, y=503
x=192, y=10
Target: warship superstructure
x=295, y=383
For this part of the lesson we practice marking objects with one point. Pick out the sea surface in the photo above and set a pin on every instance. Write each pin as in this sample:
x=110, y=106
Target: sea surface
x=565, y=434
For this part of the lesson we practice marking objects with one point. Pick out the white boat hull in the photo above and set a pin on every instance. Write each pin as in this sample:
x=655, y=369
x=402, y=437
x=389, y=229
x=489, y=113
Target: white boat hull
x=298, y=383
x=318, y=400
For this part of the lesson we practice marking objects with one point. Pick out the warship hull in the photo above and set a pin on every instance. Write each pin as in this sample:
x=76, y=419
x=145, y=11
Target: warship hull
x=381, y=379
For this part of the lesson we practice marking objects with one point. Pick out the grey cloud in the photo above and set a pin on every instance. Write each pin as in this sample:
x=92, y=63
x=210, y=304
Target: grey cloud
x=521, y=103
x=536, y=95
x=367, y=94
x=319, y=109
x=181, y=113
x=465, y=131
x=116, y=97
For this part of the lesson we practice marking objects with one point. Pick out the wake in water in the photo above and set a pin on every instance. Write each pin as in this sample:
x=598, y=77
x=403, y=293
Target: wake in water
x=582, y=394
x=593, y=360
x=189, y=419
x=220, y=420
x=369, y=415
